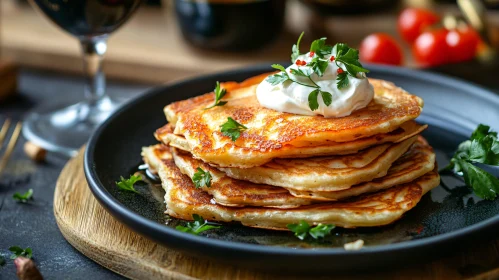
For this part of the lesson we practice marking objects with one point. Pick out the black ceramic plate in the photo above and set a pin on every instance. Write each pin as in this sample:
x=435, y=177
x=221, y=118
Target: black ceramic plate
x=445, y=219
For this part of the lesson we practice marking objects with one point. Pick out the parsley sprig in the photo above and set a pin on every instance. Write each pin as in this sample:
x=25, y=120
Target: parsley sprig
x=350, y=59
x=127, y=184
x=20, y=252
x=232, y=129
x=483, y=147
x=197, y=226
x=219, y=94
x=23, y=198
x=346, y=58
x=201, y=178
x=303, y=229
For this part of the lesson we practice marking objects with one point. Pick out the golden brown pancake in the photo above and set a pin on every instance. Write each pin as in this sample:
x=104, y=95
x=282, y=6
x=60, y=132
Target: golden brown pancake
x=419, y=160
x=331, y=173
x=225, y=190
x=405, y=131
x=270, y=131
x=376, y=209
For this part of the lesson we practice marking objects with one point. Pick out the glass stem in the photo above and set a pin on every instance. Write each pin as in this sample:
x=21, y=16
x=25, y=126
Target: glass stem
x=95, y=84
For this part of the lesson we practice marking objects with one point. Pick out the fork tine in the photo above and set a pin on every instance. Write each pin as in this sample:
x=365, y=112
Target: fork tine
x=10, y=146
x=3, y=132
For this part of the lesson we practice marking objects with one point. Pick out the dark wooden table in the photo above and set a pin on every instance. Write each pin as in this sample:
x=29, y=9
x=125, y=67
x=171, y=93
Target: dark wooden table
x=33, y=225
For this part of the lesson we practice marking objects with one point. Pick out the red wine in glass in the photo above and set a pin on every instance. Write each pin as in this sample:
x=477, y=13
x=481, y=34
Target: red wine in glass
x=65, y=128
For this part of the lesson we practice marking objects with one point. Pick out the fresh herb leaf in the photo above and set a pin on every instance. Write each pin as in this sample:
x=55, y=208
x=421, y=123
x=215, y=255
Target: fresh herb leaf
x=197, y=226
x=318, y=66
x=295, y=50
x=320, y=48
x=303, y=229
x=2, y=260
x=350, y=59
x=219, y=94
x=201, y=178
x=327, y=97
x=279, y=67
x=481, y=148
x=20, y=252
x=304, y=72
x=127, y=184
x=320, y=231
x=342, y=80
x=232, y=129
x=484, y=184
x=278, y=78
x=313, y=103
x=23, y=198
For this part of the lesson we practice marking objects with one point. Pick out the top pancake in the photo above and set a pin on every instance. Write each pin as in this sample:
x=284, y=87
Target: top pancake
x=270, y=131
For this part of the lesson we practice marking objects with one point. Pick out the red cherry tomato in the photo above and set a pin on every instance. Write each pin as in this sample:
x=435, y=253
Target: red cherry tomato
x=380, y=48
x=412, y=22
x=431, y=49
x=462, y=44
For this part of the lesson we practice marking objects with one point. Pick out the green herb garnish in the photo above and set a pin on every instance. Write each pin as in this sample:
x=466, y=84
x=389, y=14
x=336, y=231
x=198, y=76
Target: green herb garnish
x=303, y=229
x=23, y=198
x=20, y=252
x=127, y=184
x=201, y=178
x=219, y=94
x=350, y=59
x=2, y=260
x=197, y=226
x=232, y=129
x=346, y=58
x=483, y=147
x=295, y=50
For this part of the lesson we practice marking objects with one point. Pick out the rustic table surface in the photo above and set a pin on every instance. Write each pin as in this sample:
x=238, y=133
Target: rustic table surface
x=33, y=224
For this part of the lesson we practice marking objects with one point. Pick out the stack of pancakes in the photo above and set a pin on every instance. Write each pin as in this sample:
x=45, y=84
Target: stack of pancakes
x=366, y=169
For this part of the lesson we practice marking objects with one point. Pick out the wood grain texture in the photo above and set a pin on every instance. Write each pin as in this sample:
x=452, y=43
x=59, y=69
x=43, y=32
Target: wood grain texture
x=95, y=233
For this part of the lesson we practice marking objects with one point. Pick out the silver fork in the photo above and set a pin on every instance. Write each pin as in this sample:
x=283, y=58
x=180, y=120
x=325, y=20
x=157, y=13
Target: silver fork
x=12, y=142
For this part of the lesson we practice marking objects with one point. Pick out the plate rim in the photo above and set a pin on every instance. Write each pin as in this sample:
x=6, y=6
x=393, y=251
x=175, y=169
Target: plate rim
x=132, y=220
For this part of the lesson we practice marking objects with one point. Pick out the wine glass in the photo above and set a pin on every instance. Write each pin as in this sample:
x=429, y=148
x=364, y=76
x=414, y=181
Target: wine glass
x=64, y=128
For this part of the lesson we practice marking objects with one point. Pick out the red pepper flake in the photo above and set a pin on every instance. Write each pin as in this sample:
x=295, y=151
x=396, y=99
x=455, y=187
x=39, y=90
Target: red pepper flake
x=332, y=58
x=300, y=62
x=340, y=71
x=312, y=54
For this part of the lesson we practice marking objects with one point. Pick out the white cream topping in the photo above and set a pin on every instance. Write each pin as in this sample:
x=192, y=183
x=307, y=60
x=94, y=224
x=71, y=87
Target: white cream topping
x=292, y=97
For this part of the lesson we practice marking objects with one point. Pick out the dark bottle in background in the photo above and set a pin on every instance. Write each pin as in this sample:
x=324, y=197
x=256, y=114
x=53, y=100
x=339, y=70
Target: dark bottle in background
x=230, y=24
x=341, y=7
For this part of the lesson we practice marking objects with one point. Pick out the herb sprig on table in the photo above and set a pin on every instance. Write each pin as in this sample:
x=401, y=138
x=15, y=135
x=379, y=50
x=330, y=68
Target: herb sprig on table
x=302, y=230
x=127, y=184
x=197, y=226
x=345, y=58
x=23, y=198
x=20, y=252
x=201, y=178
x=483, y=147
x=2, y=261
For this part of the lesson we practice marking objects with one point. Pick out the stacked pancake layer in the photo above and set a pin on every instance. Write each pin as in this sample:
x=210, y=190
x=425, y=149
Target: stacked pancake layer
x=366, y=169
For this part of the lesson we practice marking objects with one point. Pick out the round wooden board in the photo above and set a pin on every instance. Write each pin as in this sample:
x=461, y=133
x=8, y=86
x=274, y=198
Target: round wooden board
x=96, y=234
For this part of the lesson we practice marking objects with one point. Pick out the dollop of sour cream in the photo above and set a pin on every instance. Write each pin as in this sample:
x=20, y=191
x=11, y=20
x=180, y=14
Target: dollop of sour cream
x=292, y=97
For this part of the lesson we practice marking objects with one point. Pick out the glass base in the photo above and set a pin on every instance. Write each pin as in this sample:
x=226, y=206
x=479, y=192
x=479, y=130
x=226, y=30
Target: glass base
x=65, y=128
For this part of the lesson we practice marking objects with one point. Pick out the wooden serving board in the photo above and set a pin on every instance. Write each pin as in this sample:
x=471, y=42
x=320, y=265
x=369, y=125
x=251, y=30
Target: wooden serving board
x=96, y=234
